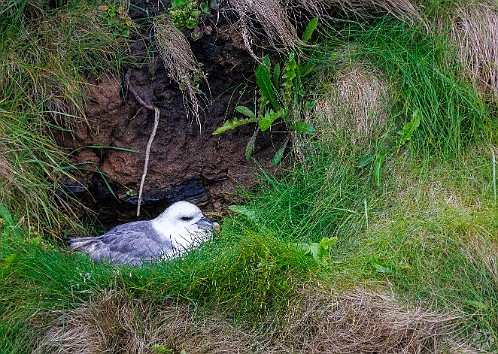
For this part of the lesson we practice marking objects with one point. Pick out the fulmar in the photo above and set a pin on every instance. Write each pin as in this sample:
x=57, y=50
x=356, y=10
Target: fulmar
x=177, y=229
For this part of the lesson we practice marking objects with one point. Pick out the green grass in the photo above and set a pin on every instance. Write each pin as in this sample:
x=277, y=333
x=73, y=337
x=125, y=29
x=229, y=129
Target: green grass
x=423, y=77
x=246, y=272
x=432, y=235
x=426, y=229
x=46, y=53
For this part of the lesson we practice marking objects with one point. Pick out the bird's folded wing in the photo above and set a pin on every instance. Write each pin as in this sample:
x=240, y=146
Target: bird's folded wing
x=123, y=246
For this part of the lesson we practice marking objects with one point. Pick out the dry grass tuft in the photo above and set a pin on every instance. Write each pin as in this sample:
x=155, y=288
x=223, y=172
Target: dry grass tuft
x=480, y=251
x=475, y=31
x=404, y=10
x=115, y=322
x=356, y=103
x=364, y=322
x=180, y=62
x=316, y=322
x=275, y=16
x=7, y=171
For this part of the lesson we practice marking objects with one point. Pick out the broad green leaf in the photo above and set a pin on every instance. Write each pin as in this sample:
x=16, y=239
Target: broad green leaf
x=264, y=82
x=303, y=247
x=365, y=161
x=242, y=210
x=303, y=127
x=280, y=153
x=276, y=76
x=310, y=28
x=409, y=128
x=382, y=267
x=251, y=144
x=267, y=62
x=310, y=104
x=319, y=253
x=177, y=3
x=204, y=7
x=327, y=242
x=230, y=125
x=316, y=250
x=270, y=117
x=245, y=111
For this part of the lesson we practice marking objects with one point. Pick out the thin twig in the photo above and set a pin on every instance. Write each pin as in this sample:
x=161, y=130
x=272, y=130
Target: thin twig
x=151, y=138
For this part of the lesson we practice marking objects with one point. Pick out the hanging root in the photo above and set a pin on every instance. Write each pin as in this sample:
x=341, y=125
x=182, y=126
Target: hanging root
x=151, y=138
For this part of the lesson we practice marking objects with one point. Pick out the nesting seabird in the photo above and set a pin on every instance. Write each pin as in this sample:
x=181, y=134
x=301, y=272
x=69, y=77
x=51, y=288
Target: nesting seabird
x=177, y=229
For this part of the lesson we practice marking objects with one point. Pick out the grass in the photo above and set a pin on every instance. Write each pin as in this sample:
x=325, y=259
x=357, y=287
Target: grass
x=248, y=273
x=45, y=54
x=421, y=229
x=422, y=79
x=426, y=240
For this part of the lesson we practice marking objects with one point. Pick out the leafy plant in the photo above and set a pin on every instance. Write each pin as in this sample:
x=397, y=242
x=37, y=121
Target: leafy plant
x=409, y=129
x=280, y=96
x=319, y=250
x=377, y=159
x=310, y=28
x=117, y=19
x=186, y=14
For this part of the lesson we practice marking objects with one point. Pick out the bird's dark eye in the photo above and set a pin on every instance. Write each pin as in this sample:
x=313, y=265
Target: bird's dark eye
x=186, y=218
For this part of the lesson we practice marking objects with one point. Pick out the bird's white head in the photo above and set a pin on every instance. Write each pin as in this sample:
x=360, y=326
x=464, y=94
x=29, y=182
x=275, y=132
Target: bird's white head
x=184, y=224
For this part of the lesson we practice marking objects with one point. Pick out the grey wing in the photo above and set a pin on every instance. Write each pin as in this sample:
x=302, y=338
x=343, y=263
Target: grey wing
x=129, y=243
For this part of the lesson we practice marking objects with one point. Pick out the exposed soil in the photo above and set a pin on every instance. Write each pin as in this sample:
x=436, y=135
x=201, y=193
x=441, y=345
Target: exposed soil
x=186, y=160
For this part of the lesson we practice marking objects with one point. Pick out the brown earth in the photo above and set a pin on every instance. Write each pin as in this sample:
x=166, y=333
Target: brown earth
x=186, y=160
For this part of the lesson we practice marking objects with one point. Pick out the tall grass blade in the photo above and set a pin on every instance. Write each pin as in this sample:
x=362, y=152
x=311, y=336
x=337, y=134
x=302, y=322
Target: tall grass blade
x=493, y=157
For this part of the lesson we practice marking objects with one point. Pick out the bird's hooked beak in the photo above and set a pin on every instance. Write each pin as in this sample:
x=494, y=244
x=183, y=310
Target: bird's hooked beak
x=208, y=225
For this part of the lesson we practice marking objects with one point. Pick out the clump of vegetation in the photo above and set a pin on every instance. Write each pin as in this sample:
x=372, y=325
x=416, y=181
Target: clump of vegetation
x=318, y=320
x=416, y=64
x=275, y=17
x=117, y=19
x=321, y=258
x=45, y=53
x=180, y=62
x=474, y=29
x=355, y=100
x=187, y=13
x=280, y=98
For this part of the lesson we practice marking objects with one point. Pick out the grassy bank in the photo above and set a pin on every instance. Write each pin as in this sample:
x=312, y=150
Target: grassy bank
x=384, y=229
x=423, y=235
x=47, y=50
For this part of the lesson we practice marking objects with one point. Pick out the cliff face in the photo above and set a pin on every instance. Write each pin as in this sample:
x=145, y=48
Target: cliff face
x=186, y=160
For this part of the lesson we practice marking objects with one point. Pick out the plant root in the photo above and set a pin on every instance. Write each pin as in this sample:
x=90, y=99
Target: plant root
x=151, y=138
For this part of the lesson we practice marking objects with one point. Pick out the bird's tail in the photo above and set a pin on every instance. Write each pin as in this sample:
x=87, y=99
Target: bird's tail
x=79, y=243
